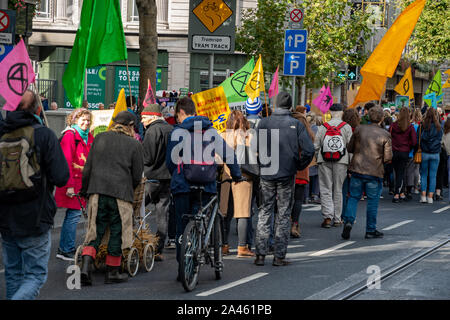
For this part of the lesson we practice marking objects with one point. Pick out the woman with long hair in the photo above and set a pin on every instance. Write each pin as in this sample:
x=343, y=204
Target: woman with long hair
x=412, y=169
x=76, y=143
x=403, y=141
x=235, y=201
x=301, y=178
x=430, y=134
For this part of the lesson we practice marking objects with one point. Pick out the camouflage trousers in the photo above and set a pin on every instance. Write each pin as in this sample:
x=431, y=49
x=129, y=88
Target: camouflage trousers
x=281, y=192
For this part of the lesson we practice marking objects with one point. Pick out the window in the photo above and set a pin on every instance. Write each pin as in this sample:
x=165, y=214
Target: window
x=133, y=13
x=377, y=10
x=43, y=9
x=218, y=78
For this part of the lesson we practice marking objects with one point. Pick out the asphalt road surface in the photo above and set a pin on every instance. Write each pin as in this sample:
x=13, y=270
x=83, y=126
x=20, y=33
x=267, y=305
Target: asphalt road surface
x=322, y=264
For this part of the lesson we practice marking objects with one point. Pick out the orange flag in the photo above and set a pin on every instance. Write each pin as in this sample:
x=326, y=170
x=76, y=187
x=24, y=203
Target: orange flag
x=384, y=59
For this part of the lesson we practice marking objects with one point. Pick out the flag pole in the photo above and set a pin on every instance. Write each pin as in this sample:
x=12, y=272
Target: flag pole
x=382, y=92
x=129, y=83
x=265, y=98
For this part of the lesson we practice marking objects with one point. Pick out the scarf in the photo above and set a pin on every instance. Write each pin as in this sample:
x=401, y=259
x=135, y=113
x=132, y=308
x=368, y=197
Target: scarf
x=83, y=134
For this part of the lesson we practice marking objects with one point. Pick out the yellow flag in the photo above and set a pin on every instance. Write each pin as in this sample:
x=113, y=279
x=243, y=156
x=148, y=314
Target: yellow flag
x=121, y=105
x=447, y=82
x=255, y=83
x=405, y=86
x=213, y=104
x=384, y=59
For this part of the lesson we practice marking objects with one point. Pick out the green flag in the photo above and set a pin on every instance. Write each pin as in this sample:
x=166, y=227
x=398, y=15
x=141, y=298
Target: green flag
x=436, y=87
x=234, y=86
x=99, y=40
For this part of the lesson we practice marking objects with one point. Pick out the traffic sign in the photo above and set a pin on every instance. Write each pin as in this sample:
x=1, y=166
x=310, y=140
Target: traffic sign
x=4, y=50
x=294, y=64
x=295, y=40
x=296, y=15
x=352, y=74
x=7, y=26
x=212, y=26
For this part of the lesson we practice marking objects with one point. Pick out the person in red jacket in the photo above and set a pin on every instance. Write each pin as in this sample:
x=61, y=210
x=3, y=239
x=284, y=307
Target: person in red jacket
x=76, y=142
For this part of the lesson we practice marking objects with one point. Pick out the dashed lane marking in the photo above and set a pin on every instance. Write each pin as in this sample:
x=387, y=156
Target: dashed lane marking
x=397, y=225
x=316, y=207
x=442, y=209
x=322, y=252
x=232, y=284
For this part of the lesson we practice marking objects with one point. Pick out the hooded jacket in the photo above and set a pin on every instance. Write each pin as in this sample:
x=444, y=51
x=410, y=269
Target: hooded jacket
x=178, y=183
x=27, y=219
x=402, y=141
x=430, y=140
x=293, y=139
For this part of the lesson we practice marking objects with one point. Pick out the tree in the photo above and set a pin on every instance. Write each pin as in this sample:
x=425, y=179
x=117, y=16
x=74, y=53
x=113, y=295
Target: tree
x=337, y=32
x=148, y=46
x=430, y=41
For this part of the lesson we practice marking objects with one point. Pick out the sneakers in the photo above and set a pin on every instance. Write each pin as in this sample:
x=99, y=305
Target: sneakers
x=346, y=232
x=326, y=223
x=245, y=252
x=171, y=244
x=374, y=234
x=67, y=256
x=429, y=200
x=423, y=199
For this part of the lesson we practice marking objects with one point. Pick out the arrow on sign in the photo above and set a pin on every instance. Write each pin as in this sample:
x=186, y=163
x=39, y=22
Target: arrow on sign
x=299, y=38
x=351, y=75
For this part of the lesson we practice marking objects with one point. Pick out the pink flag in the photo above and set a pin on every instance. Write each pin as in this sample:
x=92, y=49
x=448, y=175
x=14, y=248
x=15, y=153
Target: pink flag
x=149, y=96
x=324, y=100
x=273, y=90
x=16, y=74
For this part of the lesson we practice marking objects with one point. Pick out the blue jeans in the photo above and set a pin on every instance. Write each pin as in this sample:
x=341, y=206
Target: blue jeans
x=448, y=169
x=428, y=168
x=26, y=265
x=69, y=230
x=345, y=188
x=373, y=188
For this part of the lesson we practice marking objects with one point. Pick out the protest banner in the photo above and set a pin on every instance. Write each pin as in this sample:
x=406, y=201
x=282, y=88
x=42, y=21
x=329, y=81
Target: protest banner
x=213, y=104
x=101, y=120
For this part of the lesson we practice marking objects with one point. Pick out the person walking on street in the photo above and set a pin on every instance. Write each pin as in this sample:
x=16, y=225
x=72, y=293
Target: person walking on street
x=27, y=215
x=237, y=137
x=278, y=176
x=404, y=139
x=76, y=142
x=155, y=147
x=113, y=170
x=185, y=201
x=333, y=159
x=371, y=147
x=446, y=145
x=430, y=135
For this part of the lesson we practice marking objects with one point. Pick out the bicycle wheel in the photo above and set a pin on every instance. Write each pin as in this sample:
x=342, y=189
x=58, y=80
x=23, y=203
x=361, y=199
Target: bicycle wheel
x=190, y=250
x=218, y=239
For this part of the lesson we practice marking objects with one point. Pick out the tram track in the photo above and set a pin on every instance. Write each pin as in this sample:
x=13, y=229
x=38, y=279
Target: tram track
x=361, y=287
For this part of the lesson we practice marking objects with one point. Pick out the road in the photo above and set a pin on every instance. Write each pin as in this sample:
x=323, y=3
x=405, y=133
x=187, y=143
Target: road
x=322, y=264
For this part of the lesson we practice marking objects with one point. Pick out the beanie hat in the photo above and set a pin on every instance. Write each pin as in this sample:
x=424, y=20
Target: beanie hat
x=253, y=107
x=126, y=118
x=336, y=107
x=152, y=110
x=284, y=100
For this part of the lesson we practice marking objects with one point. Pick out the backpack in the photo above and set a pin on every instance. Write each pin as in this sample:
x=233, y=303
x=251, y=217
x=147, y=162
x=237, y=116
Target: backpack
x=199, y=171
x=73, y=132
x=333, y=146
x=19, y=166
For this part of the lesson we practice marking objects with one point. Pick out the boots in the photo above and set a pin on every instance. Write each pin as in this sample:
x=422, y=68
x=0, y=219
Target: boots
x=244, y=252
x=113, y=275
x=259, y=261
x=86, y=270
x=295, y=230
x=225, y=249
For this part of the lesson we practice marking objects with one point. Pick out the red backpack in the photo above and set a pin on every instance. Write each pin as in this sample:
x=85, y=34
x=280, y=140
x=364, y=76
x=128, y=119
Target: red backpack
x=333, y=146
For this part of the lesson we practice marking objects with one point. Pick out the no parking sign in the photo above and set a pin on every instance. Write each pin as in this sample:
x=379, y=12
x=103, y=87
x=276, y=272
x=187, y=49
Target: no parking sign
x=7, y=26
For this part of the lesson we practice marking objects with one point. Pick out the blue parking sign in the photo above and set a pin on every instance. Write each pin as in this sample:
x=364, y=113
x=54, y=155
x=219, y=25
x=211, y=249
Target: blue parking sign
x=294, y=64
x=4, y=50
x=295, y=40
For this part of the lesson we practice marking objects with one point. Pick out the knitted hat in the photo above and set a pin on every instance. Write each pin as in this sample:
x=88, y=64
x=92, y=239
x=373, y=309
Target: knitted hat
x=126, y=118
x=284, y=100
x=152, y=110
x=336, y=107
x=253, y=107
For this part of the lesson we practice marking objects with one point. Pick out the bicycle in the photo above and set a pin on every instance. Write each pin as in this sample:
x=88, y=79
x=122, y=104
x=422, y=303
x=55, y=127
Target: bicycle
x=202, y=241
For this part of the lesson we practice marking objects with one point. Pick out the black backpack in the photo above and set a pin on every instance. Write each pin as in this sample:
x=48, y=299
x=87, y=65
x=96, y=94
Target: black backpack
x=199, y=171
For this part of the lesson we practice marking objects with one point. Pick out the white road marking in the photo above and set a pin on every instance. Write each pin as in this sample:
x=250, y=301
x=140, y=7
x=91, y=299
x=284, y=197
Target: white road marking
x=397, y=225
x=232, y=284
x=291, y=246
x=316, y=207
x=3, y=270
x=322, y=252
x=442, y=209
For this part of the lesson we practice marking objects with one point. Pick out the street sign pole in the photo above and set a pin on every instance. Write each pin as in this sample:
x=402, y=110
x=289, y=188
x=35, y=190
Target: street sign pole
x=211, y=71
x=293, y=93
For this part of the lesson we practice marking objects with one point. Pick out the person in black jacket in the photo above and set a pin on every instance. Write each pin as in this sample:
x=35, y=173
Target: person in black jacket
x=155, y=147
x=26, y=226
x=290, y=150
